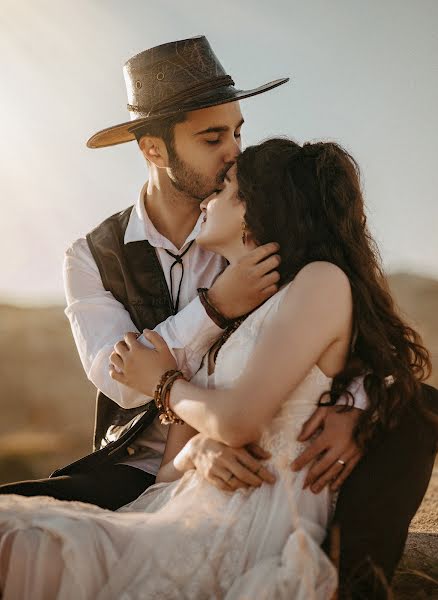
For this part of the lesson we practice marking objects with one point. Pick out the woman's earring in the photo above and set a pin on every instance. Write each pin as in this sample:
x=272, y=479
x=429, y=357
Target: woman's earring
x=243, y=232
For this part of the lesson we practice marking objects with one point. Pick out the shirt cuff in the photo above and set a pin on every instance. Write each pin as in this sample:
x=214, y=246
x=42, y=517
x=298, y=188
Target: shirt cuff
x=357, y=390
x=197, y=331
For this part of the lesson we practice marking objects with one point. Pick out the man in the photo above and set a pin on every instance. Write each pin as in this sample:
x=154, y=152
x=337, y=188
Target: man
x=141, y=269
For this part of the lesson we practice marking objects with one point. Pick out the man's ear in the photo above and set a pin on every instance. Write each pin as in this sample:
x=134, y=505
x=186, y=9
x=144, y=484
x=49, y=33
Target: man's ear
x=154, y=150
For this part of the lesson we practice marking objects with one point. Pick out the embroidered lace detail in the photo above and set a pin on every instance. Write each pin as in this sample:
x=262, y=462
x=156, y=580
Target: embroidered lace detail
x=188, y=539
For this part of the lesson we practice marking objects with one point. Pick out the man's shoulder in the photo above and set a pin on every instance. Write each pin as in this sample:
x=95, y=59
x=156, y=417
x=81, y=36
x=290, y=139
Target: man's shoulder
x=118, y=220
x=112, y=225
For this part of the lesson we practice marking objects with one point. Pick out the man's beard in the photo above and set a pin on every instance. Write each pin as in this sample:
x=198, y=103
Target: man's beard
x=190, y=182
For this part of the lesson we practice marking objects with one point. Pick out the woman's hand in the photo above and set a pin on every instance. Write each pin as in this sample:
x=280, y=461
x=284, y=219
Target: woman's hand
x=139, y=367
x=226, y=468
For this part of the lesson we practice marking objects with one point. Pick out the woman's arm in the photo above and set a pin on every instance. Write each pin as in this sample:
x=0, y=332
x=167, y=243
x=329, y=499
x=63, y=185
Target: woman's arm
x=176, y=460
x=316, y=312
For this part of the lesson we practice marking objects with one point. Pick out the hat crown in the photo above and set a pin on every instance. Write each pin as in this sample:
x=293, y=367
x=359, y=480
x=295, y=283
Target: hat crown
x=168, y=70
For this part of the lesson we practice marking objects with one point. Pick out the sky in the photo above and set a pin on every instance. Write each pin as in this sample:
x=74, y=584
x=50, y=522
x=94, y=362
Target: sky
x=362, y=73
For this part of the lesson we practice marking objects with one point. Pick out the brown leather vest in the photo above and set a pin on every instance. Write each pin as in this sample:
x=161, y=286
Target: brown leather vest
x=133, y=275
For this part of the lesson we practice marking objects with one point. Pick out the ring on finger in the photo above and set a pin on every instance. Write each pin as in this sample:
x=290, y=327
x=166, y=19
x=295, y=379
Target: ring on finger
x=341, y=462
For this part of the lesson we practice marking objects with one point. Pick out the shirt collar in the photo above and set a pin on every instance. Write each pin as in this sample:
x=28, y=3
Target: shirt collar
x=141, y=228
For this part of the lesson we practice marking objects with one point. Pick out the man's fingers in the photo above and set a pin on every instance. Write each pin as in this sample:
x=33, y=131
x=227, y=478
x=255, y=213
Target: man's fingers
x=262, y=252
x=116, y=360
x=267, y=265
x=269, y=279
x=312, y=424
x=331, y=473
x=269, y=291
x=309, y=454
x=349, y=466
x=319, y=467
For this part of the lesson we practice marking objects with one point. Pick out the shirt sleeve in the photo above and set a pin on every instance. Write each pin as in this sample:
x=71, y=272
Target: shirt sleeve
x=356, y=388
x=98, y=321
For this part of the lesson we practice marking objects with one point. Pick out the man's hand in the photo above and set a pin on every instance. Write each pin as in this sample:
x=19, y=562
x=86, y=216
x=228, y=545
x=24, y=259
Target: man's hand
x=228, y=468
x=243, y=286
x=334, y=452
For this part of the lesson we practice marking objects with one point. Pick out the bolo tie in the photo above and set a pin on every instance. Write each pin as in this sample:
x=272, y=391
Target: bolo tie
x=178, y=260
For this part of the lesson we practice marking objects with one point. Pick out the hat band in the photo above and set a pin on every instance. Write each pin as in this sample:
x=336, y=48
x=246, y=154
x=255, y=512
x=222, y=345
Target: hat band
x=203, y=86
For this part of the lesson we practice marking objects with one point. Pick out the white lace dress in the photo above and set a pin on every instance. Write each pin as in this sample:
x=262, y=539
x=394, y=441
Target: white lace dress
x=185, y=539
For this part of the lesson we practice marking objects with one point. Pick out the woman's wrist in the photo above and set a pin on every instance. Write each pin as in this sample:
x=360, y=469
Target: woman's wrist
x=175, y=393
x=162, y=397
x=183, y=460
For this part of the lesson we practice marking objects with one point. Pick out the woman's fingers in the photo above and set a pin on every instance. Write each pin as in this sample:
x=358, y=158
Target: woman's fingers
x=257, y=451
x=254, y=466
x=230, y=462
x=121, y=348
x=120, y=377
x=245, y=474
x=219, y=483
x=131, y=338
x=116, y=360
x=155, y=339
x=228, y=477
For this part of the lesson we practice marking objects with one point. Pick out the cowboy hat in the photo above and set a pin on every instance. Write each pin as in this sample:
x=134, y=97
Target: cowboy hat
x=169, y=79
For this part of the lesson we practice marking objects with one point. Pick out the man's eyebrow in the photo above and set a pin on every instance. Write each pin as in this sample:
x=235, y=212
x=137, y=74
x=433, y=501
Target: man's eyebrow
x=219, y=128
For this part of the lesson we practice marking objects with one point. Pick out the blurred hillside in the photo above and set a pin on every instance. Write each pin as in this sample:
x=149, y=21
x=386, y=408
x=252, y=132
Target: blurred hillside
x=47, y=403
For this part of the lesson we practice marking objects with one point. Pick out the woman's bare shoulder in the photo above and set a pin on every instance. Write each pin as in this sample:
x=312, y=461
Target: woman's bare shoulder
x=321, y=291
x=323, y=276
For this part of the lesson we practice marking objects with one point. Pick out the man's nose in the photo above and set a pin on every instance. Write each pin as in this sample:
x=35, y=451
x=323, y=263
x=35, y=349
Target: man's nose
x=233, y=151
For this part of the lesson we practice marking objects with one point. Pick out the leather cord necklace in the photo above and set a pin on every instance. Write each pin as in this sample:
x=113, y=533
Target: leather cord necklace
x=178, y=260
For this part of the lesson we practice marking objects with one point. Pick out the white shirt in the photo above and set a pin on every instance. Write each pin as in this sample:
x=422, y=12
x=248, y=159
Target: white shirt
x=98, y=320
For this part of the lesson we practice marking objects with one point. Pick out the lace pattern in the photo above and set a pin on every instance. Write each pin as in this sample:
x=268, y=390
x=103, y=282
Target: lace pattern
x=187, y=539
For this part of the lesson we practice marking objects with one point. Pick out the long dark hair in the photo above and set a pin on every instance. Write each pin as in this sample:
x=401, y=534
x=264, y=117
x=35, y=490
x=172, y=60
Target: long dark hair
x=309, y=200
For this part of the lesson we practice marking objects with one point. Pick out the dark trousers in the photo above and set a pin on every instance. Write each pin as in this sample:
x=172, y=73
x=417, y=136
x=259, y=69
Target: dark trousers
x=377, y=503
x=110, y=487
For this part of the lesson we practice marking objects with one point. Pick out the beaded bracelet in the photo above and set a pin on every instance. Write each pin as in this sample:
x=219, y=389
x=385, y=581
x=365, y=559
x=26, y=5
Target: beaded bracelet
x=162, y=396
x=211, y=311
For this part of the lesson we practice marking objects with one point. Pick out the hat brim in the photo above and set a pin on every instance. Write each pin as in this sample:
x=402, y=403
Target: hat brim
x=123, y=132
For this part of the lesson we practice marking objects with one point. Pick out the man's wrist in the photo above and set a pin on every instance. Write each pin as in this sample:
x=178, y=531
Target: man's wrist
x=210, y=306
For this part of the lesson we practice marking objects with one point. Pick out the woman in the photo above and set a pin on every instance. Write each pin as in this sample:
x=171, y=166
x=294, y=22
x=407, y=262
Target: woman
x=332, y=320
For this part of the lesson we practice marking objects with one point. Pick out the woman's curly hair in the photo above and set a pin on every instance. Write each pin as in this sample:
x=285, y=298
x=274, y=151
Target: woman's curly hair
x=308, y=199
